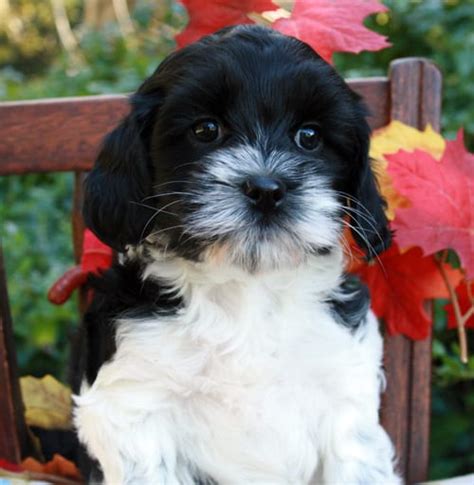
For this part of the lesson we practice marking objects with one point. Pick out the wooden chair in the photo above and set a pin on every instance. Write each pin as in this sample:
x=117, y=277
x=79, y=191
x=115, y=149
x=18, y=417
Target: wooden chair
x=63, y=135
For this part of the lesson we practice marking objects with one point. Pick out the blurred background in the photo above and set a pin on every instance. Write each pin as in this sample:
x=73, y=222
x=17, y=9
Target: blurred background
x=52, y=48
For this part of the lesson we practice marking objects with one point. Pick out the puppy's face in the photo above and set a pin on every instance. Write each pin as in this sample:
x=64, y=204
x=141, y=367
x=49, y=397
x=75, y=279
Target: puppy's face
x=245, y=147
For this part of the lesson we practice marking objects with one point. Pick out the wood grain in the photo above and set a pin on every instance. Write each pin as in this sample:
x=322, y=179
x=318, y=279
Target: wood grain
x=13, y=437
x=415, y=99
x=375, y=92
x=56, y=134
x=77, y=220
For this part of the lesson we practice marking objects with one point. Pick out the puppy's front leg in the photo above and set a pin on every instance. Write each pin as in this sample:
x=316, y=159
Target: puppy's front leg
x=131, y=445
x=357, y=453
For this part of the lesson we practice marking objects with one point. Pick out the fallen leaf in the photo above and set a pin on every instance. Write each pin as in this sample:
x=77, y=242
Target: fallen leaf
x=389, y=140
x=335, y=26
x=47, y=402
x=32, y=465
x=400, y=284
x=207, y=17
x=466, y=301
x=9, y=466
x=441, y=194
x=58, y=466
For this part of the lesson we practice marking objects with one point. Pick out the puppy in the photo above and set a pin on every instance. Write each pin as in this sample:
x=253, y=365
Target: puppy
x=227, y=345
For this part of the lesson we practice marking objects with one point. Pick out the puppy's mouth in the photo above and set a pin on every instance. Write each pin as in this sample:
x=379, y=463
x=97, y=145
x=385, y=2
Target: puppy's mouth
x=249, y=238
x=253, y=211
x=262, y=241
x=260, y=251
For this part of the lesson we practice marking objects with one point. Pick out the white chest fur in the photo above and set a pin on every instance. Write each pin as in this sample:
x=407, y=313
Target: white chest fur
x=252, y=381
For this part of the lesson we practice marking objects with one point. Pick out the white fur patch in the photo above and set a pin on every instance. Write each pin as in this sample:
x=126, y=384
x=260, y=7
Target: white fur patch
x=252, y=381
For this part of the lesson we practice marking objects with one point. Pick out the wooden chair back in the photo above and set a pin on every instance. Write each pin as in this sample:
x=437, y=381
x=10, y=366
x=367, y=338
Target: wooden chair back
x=56, y=135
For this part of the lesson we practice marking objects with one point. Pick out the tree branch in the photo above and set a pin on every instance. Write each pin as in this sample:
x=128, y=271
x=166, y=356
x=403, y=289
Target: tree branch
x=460, y=320
x=123, y=17
x=63, y=27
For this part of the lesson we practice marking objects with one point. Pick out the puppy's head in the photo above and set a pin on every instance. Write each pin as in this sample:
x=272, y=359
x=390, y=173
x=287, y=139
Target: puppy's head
x=245, y=146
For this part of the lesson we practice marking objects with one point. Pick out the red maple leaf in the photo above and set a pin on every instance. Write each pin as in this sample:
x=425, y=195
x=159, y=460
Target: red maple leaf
x=334, y=26
x=211, y=15
x=400, y=284
x=465, y=295
x=441, y=194
x=96, y=257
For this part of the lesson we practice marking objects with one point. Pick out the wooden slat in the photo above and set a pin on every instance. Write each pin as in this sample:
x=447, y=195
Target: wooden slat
x=64, y=134
x=375, y=92
x=78, y=225
x=415, y=87
x=13, y=437
x=420, y=411
x=56, y=134
x=421, y=370
x=394, y=415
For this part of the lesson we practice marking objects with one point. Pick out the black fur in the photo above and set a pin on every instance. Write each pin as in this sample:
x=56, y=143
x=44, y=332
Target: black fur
x=351, y=304
x=201, y=479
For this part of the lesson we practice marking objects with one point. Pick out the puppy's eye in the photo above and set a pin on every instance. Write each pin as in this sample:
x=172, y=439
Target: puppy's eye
x=206, y=130
x=308, y=137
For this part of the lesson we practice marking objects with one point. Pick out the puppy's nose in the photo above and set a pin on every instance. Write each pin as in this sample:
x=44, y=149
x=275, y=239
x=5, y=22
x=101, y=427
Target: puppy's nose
x=266, y=193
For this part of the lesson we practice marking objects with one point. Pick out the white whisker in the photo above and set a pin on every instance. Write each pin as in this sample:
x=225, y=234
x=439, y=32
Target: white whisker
x=159, y=211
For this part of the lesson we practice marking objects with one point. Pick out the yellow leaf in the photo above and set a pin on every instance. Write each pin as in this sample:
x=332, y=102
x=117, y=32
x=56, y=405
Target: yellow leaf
x=392, y=138
x=47, y=402
x=398, y=136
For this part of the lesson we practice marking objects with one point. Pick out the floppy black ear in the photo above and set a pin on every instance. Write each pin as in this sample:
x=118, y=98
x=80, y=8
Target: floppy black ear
x=370, y=225
x=120, y=180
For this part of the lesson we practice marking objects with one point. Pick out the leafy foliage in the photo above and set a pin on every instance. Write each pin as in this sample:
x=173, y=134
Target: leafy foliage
x=110, y=62
x=452, y=429
x=37, y=247
x=28, y=41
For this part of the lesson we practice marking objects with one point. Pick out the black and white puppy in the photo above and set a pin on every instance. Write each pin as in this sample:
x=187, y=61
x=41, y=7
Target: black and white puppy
x=227, y=345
